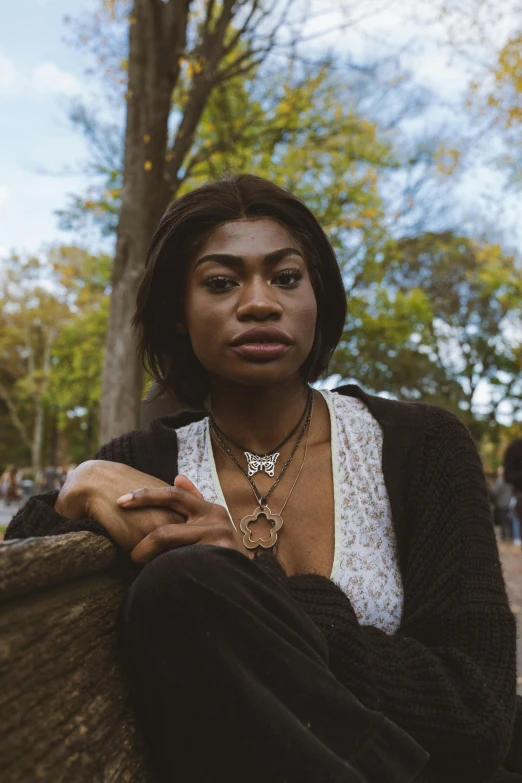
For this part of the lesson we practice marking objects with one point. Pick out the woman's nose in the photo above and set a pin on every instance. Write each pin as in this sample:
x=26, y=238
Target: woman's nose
x=258, y=300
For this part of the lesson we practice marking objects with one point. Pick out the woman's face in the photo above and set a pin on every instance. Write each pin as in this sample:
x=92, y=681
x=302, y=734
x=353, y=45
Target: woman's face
x=250, y=308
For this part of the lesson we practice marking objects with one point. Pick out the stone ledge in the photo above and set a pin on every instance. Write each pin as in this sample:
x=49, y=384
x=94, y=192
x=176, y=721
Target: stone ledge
x=31, y=564
x=64, y=705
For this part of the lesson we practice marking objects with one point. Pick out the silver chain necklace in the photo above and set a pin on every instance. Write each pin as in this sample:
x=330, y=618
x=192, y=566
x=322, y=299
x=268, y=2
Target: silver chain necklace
x=255, y=461
x=262, y=509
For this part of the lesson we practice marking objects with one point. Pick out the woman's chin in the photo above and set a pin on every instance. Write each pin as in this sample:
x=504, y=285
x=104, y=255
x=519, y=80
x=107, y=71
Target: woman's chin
x=258, y=374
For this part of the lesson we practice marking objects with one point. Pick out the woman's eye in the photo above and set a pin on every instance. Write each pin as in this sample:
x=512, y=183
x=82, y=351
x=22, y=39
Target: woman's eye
x=289, y=278
x=219, y=283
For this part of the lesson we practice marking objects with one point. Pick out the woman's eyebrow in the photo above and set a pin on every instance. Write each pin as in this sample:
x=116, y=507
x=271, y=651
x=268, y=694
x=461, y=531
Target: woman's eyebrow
x=234, y=261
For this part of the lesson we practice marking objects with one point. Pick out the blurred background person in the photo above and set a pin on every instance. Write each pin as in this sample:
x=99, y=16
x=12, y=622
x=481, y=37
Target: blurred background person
x=515, y=522
x=4, y=481
x=49, y=478
x=27, y=484
x=13, y=491
x=513, y=475
x=502, y=495
x=61, y=475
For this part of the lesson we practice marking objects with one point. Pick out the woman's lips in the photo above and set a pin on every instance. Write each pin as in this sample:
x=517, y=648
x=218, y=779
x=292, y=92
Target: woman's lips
x=261, y=351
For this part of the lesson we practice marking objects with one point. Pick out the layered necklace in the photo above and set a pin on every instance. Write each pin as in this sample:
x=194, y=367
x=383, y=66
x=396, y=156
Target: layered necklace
x=259, y=462
x=266, y=460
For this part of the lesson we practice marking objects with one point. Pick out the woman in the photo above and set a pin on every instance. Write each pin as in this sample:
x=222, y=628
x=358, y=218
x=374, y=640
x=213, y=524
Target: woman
x=12, y=493
x=320, y=596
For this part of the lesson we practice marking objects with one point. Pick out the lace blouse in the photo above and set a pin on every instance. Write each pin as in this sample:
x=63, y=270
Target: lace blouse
x=365, y=565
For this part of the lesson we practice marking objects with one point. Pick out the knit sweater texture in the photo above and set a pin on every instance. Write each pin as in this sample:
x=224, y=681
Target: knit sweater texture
x=448, y=676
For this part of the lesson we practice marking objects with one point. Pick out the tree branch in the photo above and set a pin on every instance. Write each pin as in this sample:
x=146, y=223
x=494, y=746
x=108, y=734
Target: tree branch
x=209, y=53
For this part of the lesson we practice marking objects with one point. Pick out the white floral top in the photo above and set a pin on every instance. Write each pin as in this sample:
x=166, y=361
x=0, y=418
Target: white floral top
x=365, y=563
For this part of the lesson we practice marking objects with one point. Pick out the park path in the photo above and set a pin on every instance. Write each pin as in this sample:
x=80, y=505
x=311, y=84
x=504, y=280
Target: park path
x=511, y=558
x=7, y=513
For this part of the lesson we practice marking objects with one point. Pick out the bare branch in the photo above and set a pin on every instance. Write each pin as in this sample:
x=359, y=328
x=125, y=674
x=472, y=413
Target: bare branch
x=208, y=16
x=210, y=52
x=241, y=31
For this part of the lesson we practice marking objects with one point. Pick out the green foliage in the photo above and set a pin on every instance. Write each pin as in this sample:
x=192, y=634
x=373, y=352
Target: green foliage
x=53, y=318
x=78, y=357
x=439, y=318
x=495, y=98
x=300, y=129
x=432, y=317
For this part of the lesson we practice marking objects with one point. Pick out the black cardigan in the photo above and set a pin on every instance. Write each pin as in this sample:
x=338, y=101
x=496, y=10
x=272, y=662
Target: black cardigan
x=448, y=676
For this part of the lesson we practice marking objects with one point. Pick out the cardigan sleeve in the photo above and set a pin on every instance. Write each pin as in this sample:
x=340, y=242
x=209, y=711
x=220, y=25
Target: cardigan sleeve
x=38, y=518
x=448, y=677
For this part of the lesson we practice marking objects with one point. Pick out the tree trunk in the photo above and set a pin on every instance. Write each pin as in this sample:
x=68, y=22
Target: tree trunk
x=36, y=448
x=38, y=431
x=151, y=169
x=53, y=439
x=89, y=446
x=156, y=42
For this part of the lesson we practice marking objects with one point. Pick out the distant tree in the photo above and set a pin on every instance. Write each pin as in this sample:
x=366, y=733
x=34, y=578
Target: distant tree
x=75, y=383
x=302, y=131
x=440, y=320
x=497, y=100
x=184, y=63
x=486, y=37
x=30, y=321
x=42, y=300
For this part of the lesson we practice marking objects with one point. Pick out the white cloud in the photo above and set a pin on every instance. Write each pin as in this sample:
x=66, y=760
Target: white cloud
x=49, y=78
x=4, y=195
x=44, y=79
x=8, y=75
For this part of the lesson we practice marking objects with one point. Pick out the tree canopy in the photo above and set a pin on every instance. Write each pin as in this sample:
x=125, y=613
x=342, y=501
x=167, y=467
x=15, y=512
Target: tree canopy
x=439, y=319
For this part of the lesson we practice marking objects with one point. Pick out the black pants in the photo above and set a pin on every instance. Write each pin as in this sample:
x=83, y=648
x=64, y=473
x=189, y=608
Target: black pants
x=230, y=681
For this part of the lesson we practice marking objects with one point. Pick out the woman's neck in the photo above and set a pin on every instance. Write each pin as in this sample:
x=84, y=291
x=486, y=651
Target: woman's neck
x=258, y=417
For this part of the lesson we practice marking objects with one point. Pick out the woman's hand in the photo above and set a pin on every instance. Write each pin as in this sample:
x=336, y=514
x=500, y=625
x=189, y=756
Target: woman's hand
x=206, y=523
x=91, y=491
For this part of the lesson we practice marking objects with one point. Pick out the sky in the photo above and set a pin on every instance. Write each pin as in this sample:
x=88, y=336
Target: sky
x=39, y=75
x=41, y=155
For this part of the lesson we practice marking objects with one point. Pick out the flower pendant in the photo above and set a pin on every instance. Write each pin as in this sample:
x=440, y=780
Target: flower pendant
x=264, y=462
x=266, y=543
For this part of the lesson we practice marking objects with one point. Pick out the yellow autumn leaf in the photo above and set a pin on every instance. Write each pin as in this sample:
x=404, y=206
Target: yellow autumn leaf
x=447, y=160
x=147, y=165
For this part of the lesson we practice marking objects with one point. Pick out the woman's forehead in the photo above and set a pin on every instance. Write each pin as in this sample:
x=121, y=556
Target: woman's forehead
x=244, y=237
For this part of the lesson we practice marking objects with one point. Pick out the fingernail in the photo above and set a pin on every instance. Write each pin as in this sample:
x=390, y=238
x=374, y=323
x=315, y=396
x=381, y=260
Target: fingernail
x=124, y=498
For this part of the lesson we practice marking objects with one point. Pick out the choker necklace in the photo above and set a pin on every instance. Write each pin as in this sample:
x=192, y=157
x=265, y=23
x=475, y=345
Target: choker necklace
x=258, y=462
x=262, y=509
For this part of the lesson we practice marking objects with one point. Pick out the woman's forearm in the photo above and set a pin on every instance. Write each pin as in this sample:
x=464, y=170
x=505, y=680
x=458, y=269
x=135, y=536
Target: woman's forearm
x=38, y=517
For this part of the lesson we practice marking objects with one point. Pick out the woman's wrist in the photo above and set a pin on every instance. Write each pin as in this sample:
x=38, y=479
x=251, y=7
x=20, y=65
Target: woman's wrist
x=73, y=499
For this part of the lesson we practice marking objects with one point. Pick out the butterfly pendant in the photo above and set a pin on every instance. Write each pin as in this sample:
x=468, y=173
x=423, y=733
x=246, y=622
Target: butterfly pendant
x=259, y=462
x=266, y=543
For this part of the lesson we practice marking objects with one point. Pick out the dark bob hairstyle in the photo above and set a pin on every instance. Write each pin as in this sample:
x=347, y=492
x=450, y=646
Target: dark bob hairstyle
x=183, y=230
